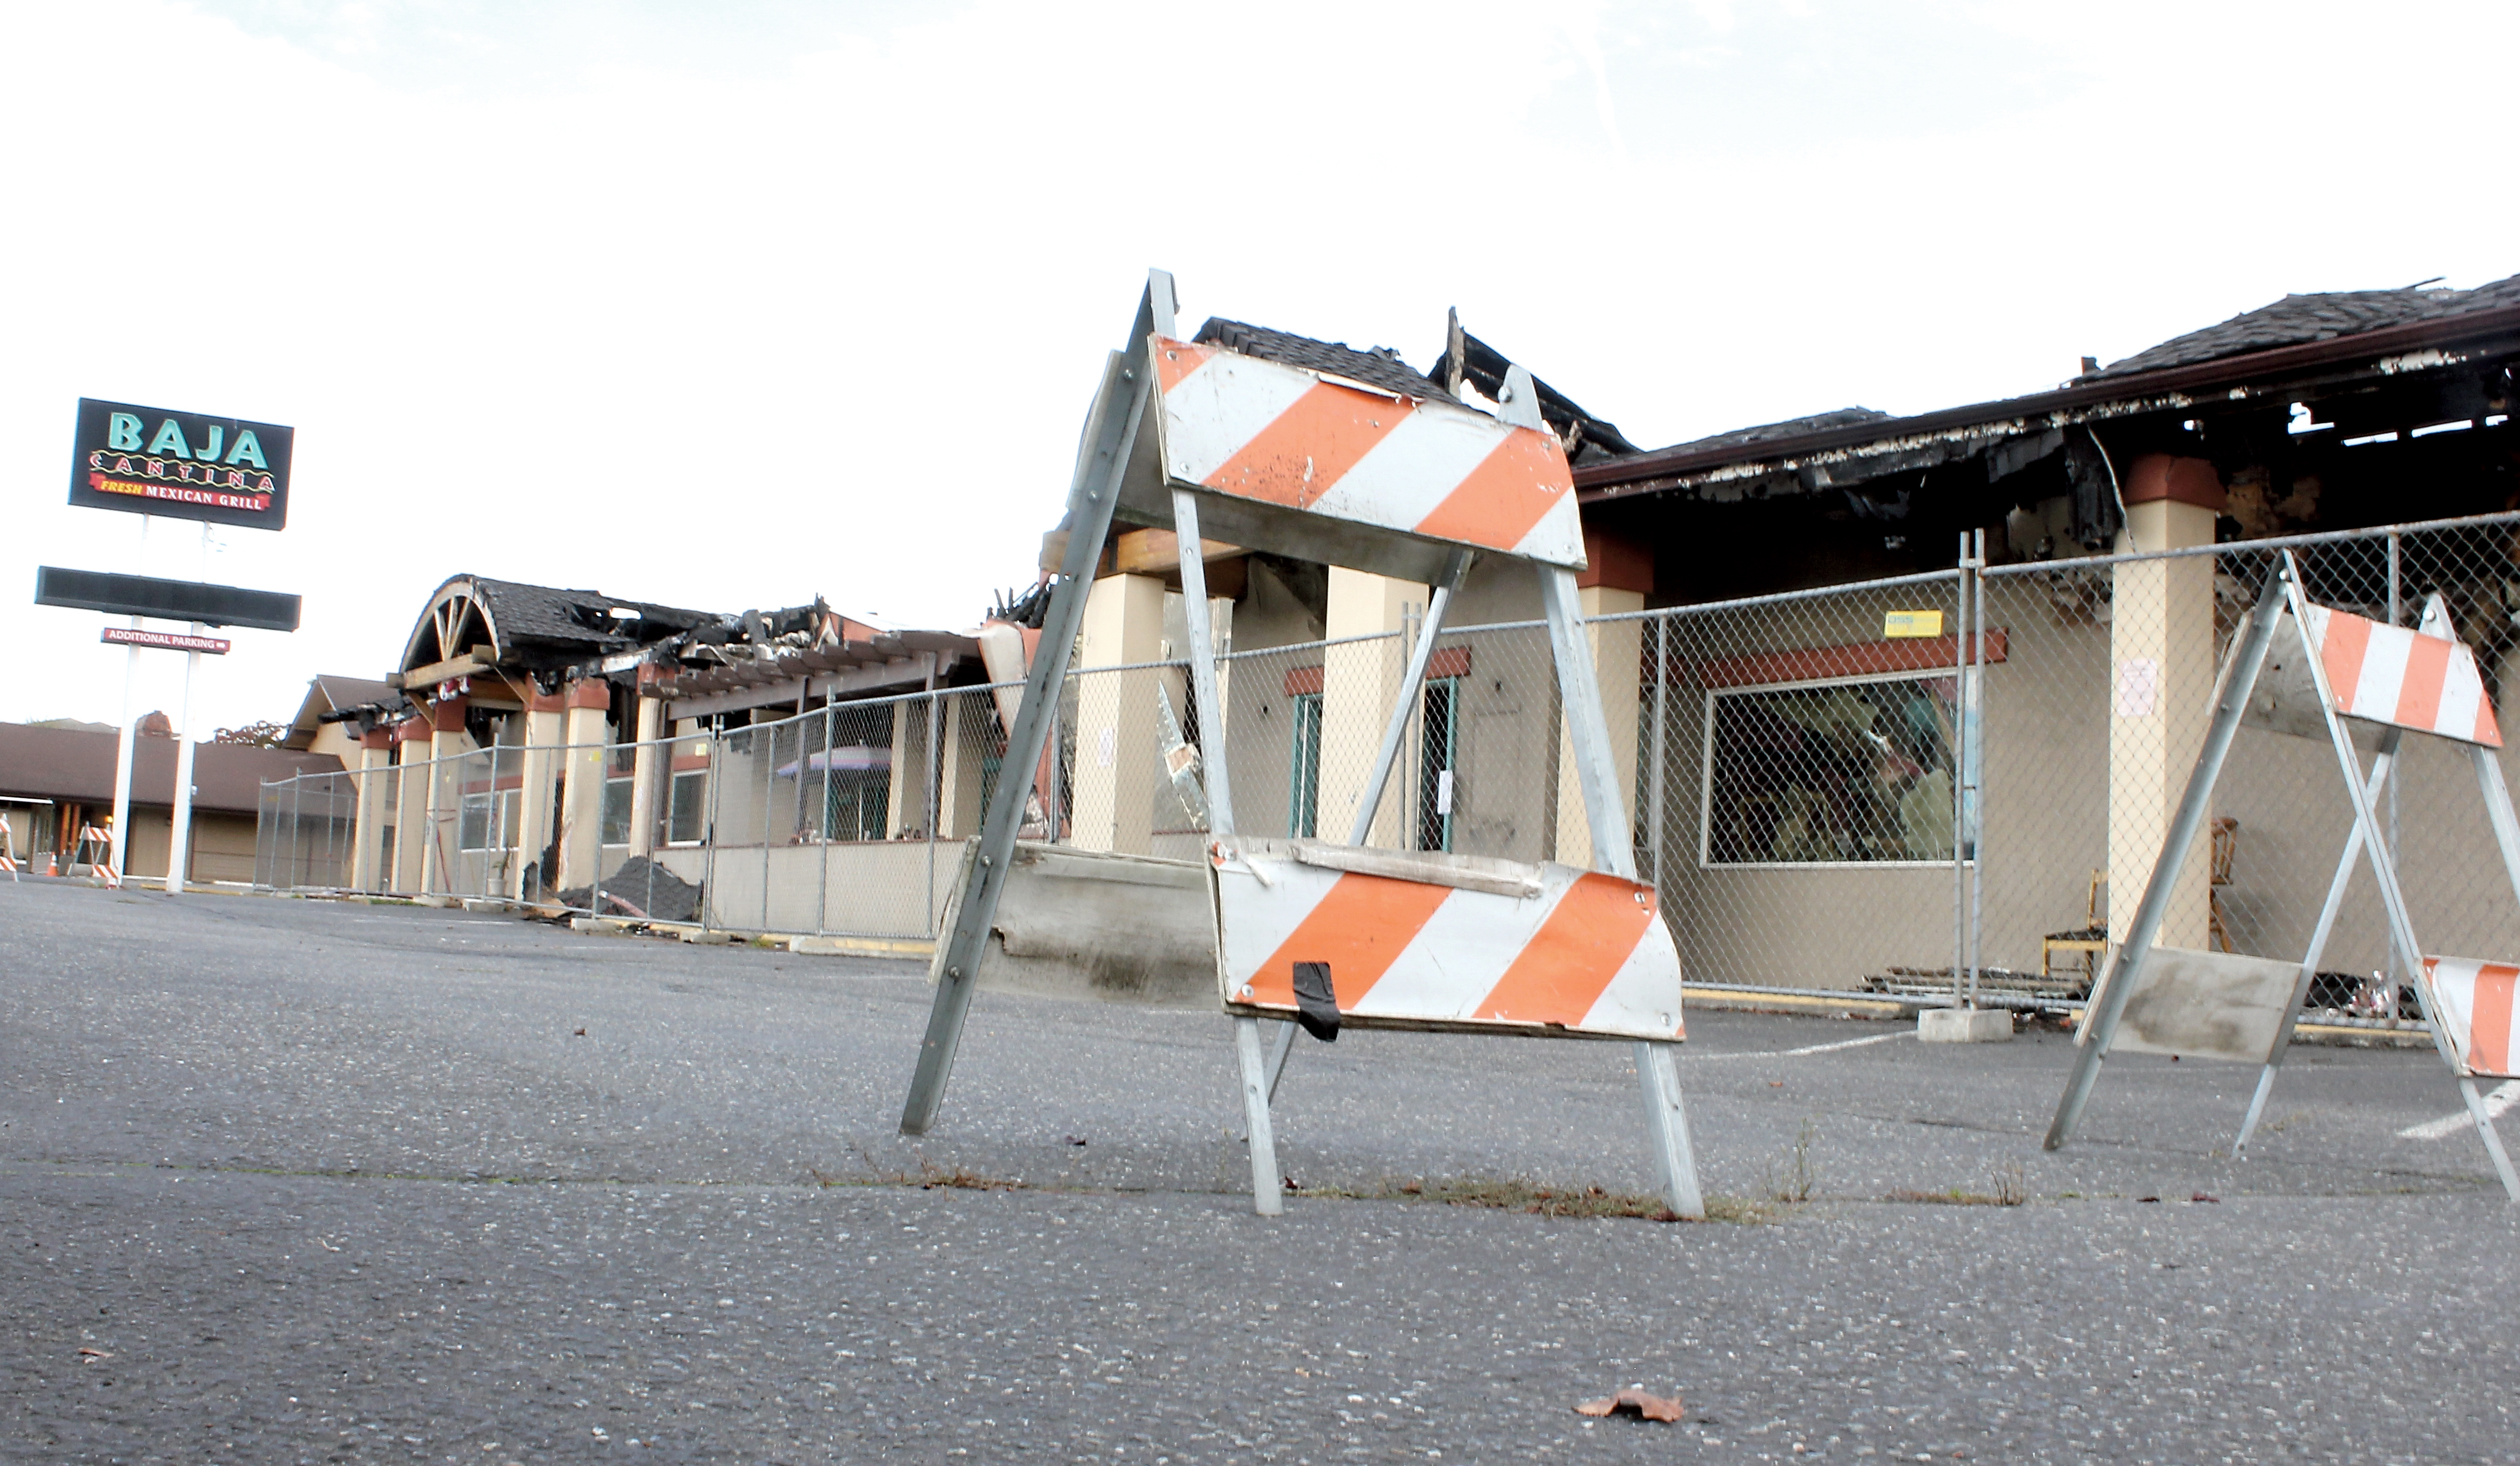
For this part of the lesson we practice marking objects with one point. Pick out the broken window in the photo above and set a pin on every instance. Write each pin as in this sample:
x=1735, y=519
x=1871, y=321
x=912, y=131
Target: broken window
x=617, y=810
x=687, y=815
x=1827, y=773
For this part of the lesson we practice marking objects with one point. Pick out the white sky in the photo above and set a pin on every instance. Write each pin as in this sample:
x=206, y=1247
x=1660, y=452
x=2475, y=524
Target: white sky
x=728, y=305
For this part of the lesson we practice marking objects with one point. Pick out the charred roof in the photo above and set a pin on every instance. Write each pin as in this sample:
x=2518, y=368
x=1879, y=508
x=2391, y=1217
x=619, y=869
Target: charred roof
x=1380, y=367
x=2324, y=316
x=1467, y=361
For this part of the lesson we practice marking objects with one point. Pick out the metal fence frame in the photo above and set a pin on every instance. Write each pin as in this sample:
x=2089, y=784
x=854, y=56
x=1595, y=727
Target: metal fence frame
x=1685, y=652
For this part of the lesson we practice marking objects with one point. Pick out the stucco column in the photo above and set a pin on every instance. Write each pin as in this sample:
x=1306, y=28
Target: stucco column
x=2161, y=649
x=905, y=802
x=410, y=802
x=1618, y=654
x=369, y=857
x=582, y=770
x=537, y=793
x=448, y=743
x=967, y=726
x=1359, y=684
x=648, y=770
x=1115, y=715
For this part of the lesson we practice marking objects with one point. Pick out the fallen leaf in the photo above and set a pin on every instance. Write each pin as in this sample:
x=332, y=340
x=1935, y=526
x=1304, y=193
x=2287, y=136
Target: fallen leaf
x=1075, y=1140
x=580, y=1033
x=1634, y=1403
x=2148, y=1198
x=2202, y=1197
x=91, y=1355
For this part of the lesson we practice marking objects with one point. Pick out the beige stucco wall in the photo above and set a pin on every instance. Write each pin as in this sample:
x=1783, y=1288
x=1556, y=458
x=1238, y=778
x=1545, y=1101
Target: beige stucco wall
x=869, y=888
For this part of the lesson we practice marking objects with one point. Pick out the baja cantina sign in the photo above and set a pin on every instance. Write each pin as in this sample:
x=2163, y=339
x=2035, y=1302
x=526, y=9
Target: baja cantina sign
x=146, y=460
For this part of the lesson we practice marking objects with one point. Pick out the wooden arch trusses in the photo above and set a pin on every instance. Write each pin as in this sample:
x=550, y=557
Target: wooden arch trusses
x=456, y=621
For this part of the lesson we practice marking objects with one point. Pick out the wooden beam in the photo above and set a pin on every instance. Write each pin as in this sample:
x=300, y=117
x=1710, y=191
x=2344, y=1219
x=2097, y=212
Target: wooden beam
x=1155, y=552
x=471, y=664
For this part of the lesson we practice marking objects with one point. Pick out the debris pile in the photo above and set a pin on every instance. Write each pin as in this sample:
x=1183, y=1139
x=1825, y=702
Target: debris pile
x=640, y=889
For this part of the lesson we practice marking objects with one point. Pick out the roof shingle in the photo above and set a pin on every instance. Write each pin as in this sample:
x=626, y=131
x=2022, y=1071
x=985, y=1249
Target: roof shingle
x=2324, y=316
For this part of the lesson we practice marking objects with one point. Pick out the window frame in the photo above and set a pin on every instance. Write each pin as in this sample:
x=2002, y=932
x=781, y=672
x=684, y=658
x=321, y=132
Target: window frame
x=673, y=807
x=627, y=781
x=1706, y=771
x=1427, y=782
x=1304, y=766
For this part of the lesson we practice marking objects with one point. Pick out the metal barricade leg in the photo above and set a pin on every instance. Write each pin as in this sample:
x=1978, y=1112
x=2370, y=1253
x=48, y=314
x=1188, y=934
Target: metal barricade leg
x=2327, y=911
x=2237, y=679
x=1268, y=1192
x=1110, y=435
x=1279, y=1048
x=1667, y=1123
x=2493, y=1142
x=1615, y=853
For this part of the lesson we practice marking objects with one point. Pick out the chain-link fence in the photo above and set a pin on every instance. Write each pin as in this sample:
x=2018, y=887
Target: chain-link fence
x=303, y=831
x=1801, y=767
x=1927, y=786
x=2098, y=704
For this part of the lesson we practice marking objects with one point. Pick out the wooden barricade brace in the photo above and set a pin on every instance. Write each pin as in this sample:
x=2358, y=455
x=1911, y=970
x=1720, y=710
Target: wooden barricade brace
x=2301, y=668
x=1277, y=458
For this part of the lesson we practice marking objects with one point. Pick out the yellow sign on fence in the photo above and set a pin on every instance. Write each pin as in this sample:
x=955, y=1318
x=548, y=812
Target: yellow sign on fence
x=1898, y=624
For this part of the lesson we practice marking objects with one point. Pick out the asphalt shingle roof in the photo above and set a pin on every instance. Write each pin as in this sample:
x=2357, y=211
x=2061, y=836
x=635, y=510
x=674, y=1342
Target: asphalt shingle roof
x=71, y=764
x=1380, y=367
x=1818, y=422
x=2324, y=316
x=551, y=613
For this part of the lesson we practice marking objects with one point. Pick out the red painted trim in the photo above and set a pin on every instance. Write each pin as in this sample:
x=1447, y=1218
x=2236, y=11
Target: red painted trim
x=1922, y=653
x=1302, y=681
x=1615, y=562
x=2180, y=480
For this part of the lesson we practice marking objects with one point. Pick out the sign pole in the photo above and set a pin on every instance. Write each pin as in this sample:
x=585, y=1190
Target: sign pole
x=180, y=837
x=122, y=764
x=115, y=856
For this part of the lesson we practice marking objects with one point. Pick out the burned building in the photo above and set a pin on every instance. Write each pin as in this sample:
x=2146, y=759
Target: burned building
x=1798, y=761
x=536, y=738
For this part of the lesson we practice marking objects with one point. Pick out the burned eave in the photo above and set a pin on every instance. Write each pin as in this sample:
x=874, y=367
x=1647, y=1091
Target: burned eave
x=1831, y=457
x=905, y=661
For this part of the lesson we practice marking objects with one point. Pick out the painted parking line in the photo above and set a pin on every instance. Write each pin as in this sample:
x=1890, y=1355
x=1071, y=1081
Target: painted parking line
x=2501, y=1098
x=1817, y=1048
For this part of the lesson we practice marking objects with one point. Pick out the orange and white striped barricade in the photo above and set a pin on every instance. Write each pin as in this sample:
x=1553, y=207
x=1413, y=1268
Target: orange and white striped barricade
x=2471, y=1002
x=1284, y=455
x=2303, y=670
x=1416, y=940
x=96, y=849
x=1282, y=450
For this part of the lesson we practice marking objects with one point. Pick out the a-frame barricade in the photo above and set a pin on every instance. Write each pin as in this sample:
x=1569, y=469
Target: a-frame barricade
x=1263, y=454
x=2302, y=668
x=95, y=848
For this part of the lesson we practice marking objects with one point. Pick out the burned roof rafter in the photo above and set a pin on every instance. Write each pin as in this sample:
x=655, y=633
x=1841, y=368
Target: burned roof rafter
x=1838, y=454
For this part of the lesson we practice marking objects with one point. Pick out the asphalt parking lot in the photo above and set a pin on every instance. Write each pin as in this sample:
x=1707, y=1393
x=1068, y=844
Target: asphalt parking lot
x=293, y=1180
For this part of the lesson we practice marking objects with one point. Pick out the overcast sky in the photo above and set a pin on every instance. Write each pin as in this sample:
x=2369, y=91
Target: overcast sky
x=725, y=305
